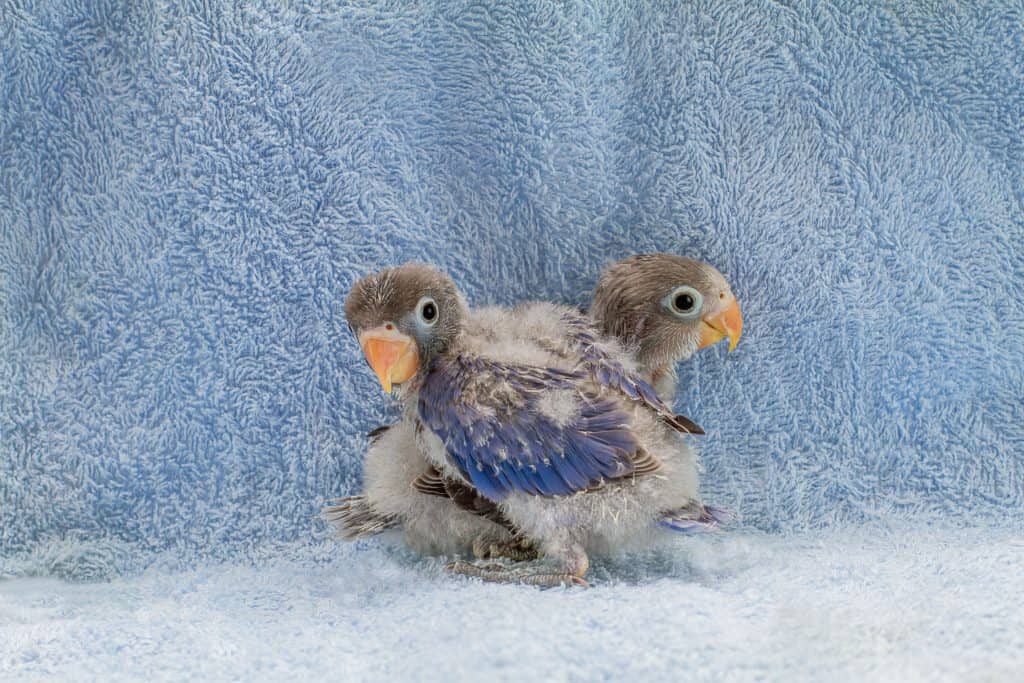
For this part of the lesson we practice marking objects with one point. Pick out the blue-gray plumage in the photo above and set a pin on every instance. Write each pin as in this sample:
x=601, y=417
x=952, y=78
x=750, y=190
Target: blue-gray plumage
x=511, y=445
x=583, y=336
x=530, y=410
x=634, y=302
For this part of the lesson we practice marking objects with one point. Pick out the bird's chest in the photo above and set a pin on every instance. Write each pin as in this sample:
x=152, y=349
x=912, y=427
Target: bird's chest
x=433, y=450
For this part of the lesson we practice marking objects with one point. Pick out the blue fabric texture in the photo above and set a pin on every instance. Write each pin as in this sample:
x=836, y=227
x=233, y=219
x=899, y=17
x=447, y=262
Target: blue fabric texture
x=188, y=190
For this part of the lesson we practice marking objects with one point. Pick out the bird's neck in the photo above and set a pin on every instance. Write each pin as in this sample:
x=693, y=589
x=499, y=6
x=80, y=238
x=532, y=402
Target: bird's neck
x=407, y=392
x=665, y=382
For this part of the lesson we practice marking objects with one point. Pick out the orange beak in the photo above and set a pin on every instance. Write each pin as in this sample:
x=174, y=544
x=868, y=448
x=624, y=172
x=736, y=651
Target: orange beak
x=391, y=354
x=726, y=323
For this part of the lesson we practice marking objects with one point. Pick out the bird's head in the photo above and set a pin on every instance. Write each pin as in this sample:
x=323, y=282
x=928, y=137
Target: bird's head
x=403, y=317
x=666, y=307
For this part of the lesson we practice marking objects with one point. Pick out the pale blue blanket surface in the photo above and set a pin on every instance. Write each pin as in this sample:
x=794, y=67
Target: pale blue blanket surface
x=188, y=190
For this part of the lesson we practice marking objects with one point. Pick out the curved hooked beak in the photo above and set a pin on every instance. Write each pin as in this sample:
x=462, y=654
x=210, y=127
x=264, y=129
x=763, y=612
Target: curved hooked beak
x=726, y=323
x=391, y=354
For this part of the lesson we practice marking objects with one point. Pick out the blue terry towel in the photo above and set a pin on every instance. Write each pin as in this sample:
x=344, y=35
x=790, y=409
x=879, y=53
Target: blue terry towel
x=187, y=191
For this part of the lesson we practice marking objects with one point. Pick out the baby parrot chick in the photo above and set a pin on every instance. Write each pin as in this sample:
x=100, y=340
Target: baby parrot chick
x=663, y=307
x=547, y=422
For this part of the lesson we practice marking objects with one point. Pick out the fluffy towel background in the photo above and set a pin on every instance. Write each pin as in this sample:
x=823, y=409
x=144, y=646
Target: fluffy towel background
x=187, y=190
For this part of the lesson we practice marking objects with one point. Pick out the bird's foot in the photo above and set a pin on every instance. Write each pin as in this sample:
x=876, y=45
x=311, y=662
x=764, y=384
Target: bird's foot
x=530, y=576
x=519, y=550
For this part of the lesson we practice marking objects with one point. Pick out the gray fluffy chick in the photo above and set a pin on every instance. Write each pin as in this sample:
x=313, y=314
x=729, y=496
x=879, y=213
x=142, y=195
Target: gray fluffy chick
x=664, y=306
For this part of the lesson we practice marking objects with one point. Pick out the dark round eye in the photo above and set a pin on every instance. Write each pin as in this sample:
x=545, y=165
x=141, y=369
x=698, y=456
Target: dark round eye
x=683, y=303
x=426, y=310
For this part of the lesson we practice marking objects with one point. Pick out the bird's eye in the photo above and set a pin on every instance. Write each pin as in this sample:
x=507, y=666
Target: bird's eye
x=683, y=301
x=426, y=311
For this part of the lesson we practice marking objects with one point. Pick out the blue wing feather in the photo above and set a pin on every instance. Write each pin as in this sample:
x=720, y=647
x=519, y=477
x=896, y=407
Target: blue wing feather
x=510, y=445
x=609, y=372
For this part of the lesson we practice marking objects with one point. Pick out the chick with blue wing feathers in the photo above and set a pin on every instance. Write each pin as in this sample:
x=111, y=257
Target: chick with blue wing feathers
x=532, y=410
x=649, y=303
x=663, y=308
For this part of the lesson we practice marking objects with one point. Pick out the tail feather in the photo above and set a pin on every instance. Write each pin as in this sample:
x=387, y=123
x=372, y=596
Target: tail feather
x=688, y=425
x=354, y=517
x=697, y=519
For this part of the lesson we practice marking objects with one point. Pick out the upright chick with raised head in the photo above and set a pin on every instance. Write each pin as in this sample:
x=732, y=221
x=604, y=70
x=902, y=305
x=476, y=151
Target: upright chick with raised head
x=532, y=410
x=661, y=306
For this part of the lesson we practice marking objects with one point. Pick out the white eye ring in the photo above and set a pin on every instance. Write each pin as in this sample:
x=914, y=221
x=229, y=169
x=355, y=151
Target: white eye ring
x=683, y=302
x=426, y=311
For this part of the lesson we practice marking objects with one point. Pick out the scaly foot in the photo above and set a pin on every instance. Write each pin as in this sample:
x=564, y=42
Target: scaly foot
x=530, y=576
x=519, y=550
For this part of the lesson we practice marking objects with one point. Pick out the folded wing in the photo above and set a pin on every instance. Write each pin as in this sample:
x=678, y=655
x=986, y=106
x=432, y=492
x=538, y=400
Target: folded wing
x=496, y=431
